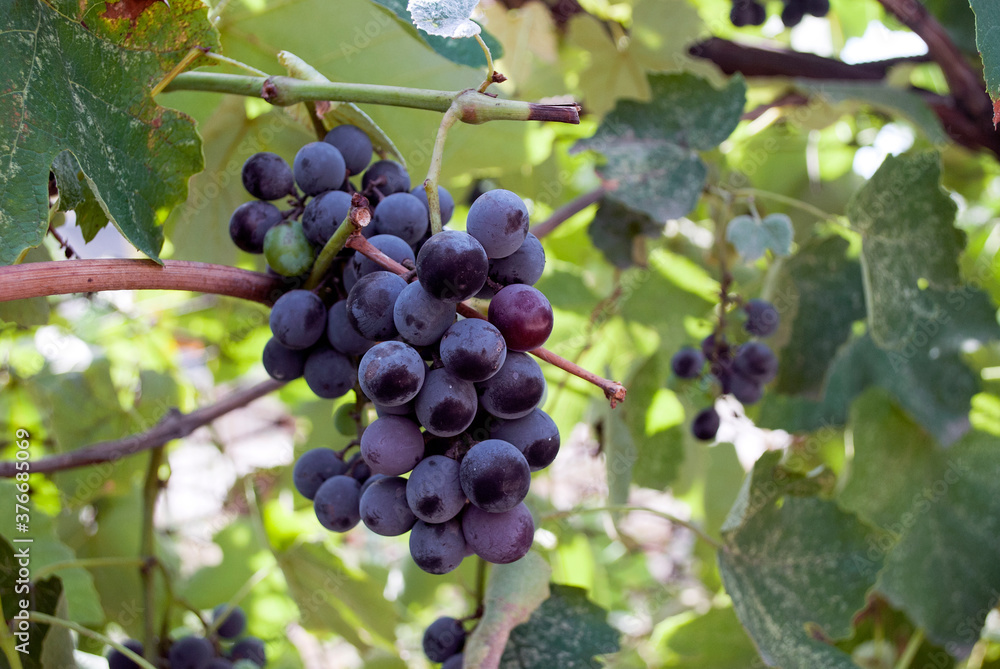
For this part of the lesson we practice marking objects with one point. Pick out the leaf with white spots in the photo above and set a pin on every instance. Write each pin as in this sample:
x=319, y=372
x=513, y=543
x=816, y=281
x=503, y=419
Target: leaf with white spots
x=797, y=570
x=445, y=18
x=83, y=87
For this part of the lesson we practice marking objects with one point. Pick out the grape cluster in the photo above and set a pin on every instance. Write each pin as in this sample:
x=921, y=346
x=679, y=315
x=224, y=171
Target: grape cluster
x=752, y=13
x=458, y=433
x=740, y=370
x=224, y=648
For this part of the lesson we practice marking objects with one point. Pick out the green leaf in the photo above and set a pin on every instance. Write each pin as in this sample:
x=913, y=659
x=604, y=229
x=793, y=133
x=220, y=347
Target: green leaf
x=566, y=631
x=988, y=41
x=715, y=640
x=652, y=147
x=76, y=193
x=333, y=596
x=894, y=101
x=797, y=570
x=906, y=221
x=75, y=91
x=653, y=417
x=943, y=570
x=462, y=52
x=820, y=295
x=754, y=237
x=514, y=591
x=616, y=230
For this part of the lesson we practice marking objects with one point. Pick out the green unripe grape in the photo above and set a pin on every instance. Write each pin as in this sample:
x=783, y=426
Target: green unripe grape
x=287, y=250
x=343, y=421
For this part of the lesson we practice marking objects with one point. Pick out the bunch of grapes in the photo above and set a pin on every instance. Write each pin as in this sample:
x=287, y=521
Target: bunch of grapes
x=752, y=13
x=459, y=431
x=740, y=370
x=224, y=648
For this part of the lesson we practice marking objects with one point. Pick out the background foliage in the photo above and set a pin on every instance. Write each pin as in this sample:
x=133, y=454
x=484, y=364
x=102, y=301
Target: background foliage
x=850, y=519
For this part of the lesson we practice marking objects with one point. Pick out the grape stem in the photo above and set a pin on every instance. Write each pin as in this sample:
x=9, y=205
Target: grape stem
x=38, y=617
x=489, y=64
x=358, y=217
x=568, y=211
x=434, y=171
x=174, y=425
x=613, y=391
x=282, y=91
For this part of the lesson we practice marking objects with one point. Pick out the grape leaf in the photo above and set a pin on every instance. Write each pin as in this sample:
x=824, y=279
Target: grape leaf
x=988, y=41
x=797, y=570
x=566, y=631
x=462, y=52
x=616, y=229
x=715, y=640
x=753, y=238
x=446, y=18
x=906, y=221
x=73, y=90
x=652, y=147
x=77, y=193
x=943, y=570
x=514, y=591
x=819, y=296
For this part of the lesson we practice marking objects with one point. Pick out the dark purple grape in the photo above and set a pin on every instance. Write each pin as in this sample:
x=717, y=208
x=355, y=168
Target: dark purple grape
x=249, y=648
x=392, y=445
x=329, y=373
x=499, y=220
x=383, y=507
x=523, y=316
x=354, y=146
x=313, y=468
x=495, y=475
x=452, y=266
x=437, y=548
x=743, y=388
x=515, y=390
x=443, y=638
x=402, y=215
x=267, y=176
x=319, y=167
x=499, y=538
x=391, y=373
x=445, y=201
x=756, y=361
x=232, y=625
x=687, y=363
x=392, y=246
x=282, y=363
x=350, y=276
x=421, y=318
x=434, y=492
x=473, y=349
x=250, y=224
x=387, y=176
x=298, y=319
x=287, y=251
x=341, y=334
x=324, y=214
x=793, y=13
x=762, y=318
x=446, y=404
x=536, y=436
x=816, y=7
x=706, y=424
x=525, y=265
x=456, y=661
x=119, y=660
x=746, y=13
x=370, y=304
x=337, y=503
x=370, y=481
x=361, y=472
x=405, y=409
x=191, y=652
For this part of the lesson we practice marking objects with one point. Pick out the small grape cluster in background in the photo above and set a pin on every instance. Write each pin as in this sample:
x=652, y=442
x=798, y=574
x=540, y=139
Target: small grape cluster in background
x=224, y=647
x=752, y=13
x=459, y=431
x=740, y=370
